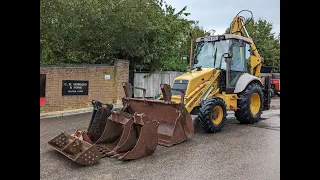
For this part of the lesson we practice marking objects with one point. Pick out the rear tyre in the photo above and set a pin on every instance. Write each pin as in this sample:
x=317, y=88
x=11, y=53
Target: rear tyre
x=212, y=114
x=250, y=104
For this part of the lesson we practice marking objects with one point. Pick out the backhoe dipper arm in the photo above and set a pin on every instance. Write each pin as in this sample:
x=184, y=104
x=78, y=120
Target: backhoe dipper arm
x=238, y=28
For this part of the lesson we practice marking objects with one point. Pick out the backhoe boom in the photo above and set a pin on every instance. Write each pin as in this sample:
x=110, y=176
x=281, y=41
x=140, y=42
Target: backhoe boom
x=238, y=28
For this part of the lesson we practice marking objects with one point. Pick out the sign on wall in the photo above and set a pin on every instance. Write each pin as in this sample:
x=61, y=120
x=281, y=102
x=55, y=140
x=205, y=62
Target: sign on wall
x=74, y=87
x=107, y=77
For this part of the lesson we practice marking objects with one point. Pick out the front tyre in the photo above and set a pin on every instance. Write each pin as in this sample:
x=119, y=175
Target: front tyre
x=212, y=114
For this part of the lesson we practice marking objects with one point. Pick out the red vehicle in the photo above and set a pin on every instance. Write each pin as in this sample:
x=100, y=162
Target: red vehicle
x=275, y=83
x=274, y=80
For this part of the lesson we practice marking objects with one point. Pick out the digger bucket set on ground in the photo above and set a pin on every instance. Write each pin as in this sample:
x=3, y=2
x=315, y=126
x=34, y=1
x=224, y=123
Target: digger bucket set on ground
x=130, y=133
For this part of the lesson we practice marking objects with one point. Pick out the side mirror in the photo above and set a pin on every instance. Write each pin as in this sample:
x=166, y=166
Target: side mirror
x=227, y=55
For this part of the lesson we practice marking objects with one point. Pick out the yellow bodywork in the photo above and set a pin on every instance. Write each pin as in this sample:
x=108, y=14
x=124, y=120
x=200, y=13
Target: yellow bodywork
x=200, y=83
x=229, y=99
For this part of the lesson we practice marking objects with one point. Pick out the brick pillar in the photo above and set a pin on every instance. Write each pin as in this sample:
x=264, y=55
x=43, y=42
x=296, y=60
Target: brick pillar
x=121, y=75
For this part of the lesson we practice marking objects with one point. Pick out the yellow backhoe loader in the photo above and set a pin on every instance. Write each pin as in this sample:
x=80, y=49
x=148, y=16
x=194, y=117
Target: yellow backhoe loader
x=224, y=75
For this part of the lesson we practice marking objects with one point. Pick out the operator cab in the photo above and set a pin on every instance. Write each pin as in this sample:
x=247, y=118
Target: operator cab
x=228, y=53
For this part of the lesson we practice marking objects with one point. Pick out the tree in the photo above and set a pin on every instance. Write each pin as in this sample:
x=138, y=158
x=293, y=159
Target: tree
x=196, y=32
x=149, y=33
x=267, y=44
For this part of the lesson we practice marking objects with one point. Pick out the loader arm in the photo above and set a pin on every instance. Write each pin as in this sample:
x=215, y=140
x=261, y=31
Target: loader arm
x=238, y=28
x=203, y=91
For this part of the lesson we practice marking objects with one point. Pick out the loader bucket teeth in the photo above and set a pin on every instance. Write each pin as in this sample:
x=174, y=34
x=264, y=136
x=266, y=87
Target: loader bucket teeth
x=75, y=149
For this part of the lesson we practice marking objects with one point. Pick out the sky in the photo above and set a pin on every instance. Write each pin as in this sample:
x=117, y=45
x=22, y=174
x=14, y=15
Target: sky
x=218, y=14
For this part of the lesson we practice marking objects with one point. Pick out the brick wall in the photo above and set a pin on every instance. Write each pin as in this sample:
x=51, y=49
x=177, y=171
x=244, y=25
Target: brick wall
x=107, y=91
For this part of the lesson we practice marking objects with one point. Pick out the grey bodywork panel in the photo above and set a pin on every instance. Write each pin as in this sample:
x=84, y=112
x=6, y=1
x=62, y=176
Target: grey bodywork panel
x=244, y=80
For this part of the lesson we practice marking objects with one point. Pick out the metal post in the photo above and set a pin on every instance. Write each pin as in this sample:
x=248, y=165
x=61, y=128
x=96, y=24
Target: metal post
x=191, y=54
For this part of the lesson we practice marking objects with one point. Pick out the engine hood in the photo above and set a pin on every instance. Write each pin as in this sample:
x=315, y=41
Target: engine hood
x=204, y=72
x=194, y=79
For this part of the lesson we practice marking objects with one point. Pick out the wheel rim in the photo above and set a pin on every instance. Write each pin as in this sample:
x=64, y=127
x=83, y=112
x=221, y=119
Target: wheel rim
x=217, y=115
x=255, y=103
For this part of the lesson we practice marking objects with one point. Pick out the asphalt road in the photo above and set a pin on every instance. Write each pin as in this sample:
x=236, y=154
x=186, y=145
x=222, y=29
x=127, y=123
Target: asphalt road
x=238, y=152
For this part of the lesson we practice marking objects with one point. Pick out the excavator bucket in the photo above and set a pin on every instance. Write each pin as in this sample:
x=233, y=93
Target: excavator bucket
x=128, y=136
x=76, y=149
x=175, y=123
x=79, y=146
x=99, y=119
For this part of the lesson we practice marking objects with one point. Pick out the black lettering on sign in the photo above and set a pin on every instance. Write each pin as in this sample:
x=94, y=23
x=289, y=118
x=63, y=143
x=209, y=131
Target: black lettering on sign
x=74, y=87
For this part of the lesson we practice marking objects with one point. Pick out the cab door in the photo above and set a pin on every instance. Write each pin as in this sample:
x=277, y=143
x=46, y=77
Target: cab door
x=236, y=65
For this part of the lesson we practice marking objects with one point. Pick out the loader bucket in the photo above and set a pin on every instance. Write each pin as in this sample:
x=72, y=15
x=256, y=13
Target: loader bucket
x=174, y=126
x=128, y=136
x=76, y=149
x=175, y=123
x=79, y=146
